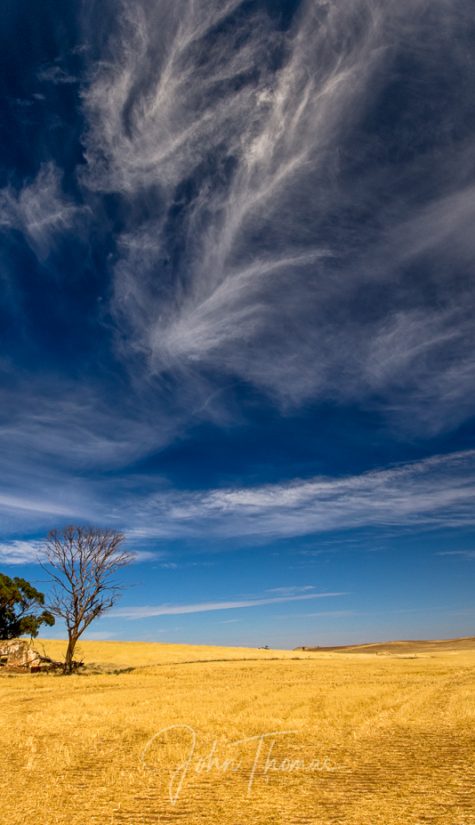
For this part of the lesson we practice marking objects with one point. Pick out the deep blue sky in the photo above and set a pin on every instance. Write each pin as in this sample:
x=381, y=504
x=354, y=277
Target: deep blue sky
x=236, y=270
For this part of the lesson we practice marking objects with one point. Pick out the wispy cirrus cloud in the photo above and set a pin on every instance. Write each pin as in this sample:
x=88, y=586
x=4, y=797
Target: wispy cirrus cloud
x=437, y=491
x=27, y=504
x=271, y=249
x=148, y=611
x=53, y=437
x=55, y=74
x=290, y=590
x=469, y=555
x=21, y=552
x=74, y=424
x=270, y=230
x=39, y=209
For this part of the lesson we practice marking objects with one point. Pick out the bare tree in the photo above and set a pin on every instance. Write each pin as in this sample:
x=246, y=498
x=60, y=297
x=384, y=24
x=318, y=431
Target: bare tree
x=82, y=562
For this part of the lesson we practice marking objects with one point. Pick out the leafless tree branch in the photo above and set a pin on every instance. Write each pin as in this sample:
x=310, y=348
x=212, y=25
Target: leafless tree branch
x=82, y=563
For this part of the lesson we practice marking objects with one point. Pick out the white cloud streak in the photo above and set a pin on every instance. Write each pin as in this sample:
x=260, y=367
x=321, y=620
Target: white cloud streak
x=436, y=492
x=291, y=590
x=74, y=423
x=147, y=611
x=20, y=552
x=53, y=436
x=468, y=555
x=39, y=210
x=55, y=74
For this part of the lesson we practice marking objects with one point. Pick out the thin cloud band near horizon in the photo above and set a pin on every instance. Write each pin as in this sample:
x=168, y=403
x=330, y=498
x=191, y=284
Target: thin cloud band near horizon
x=149, y=611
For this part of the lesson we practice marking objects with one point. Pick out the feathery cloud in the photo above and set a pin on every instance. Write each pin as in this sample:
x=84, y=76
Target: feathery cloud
x=147, y=611
x=267, y=233
x=39, y=210
x=437, y=491
x=469, y=555
x=20, y=552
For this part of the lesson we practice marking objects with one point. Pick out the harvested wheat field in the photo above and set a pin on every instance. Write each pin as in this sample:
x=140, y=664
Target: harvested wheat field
x=153, y=733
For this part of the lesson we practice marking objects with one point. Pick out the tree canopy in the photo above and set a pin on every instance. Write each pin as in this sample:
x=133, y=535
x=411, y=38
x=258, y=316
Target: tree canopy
x=21, y=608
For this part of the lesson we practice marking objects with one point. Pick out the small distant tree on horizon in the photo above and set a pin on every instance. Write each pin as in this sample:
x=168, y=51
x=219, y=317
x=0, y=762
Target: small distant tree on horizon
x=21, y=608
x=82, y=563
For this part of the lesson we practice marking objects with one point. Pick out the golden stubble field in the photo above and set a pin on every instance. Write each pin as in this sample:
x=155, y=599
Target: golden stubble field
x=233, y=735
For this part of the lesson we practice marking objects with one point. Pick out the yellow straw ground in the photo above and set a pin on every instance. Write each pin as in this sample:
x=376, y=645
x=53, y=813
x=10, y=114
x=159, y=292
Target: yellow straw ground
x=233, y=735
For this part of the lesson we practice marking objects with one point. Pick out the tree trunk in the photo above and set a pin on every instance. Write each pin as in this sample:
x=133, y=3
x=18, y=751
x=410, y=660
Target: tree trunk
x=68, y=661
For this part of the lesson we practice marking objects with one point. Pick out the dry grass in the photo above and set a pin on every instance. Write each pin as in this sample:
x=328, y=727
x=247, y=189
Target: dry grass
x=376, y=740
x=412, y=646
